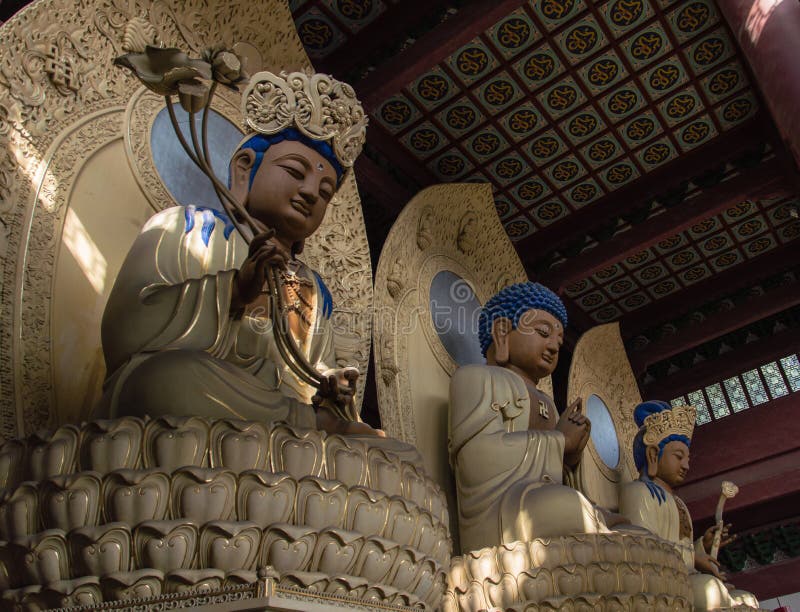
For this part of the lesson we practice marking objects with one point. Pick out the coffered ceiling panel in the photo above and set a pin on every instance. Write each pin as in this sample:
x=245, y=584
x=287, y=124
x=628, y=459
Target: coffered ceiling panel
x=562, y=102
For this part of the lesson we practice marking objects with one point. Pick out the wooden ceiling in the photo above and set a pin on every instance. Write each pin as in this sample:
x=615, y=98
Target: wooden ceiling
x=633, y=163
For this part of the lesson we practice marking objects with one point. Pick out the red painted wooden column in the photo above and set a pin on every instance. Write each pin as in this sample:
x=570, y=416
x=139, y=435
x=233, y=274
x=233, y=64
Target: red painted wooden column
x=768, y=32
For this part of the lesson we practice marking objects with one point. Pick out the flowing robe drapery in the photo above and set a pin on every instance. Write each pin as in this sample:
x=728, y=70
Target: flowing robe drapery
x=508, y=477
x=172, y=344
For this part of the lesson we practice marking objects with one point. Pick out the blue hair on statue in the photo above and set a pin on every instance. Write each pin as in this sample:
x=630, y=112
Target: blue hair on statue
x=640, y=413
x=514, y=301
x=261, y=142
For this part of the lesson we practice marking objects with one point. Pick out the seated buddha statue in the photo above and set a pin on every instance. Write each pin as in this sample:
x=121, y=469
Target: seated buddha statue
x=661, y=454
x=508, y=444
x=188, y=330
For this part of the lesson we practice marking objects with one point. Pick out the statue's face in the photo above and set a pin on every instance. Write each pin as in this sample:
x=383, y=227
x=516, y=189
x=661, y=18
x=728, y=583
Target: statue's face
x=291, y=190
x=673, y=464
x=534, y=345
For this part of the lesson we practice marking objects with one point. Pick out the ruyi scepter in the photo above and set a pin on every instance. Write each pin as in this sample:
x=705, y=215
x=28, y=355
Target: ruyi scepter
x=729, y=491
x=317, y=105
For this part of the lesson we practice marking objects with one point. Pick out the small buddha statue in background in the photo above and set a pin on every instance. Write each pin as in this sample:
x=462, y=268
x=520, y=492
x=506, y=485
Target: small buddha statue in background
x=661, y=454
x=187, y=329
x=508, y=444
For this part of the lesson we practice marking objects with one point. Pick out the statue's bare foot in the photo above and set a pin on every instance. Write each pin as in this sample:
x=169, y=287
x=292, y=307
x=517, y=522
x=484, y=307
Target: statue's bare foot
x=328, y=422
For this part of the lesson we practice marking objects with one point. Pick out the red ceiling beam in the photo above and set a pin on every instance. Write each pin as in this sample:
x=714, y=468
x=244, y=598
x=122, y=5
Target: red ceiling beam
x=725, y=147
x=751, y=183
x=379, y=138
x=747, y=432
x=379, y=184
x=718, y=286
x=721, y=323
x=748, y=448
x=762, y=482
x=741, y=359
x=769, y=581
x=578, y=319
x=432, y=48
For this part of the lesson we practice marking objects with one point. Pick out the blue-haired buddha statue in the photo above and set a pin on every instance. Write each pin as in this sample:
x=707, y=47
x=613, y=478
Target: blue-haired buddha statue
x=661, y=454
x=187, y=330
x=508, y=444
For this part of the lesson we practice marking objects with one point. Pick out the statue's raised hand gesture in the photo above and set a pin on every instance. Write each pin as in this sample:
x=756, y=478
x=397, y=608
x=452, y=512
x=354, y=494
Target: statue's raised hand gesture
x=250, y=278
x=576, y=428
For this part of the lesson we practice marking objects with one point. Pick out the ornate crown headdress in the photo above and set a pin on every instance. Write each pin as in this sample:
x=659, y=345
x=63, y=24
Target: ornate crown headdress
x=677, y=421
x=318, y=105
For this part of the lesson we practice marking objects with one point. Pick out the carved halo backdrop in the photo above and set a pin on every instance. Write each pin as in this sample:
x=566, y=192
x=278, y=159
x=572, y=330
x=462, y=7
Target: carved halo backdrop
x=77, y=182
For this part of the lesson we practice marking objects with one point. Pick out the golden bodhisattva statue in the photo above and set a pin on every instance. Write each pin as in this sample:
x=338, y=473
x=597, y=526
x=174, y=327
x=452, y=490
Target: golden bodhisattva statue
x=508, y=444
x=188, y=328
x=661, y=454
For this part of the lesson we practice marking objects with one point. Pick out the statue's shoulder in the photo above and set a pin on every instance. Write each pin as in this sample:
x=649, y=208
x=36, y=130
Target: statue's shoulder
x=634, y=487
x=639, y=491
x=190, y=218
x=494, y=380
x=169, y=218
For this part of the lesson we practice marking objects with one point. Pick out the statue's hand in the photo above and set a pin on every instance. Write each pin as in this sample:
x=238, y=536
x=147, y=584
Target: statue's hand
x=726, y=538
x=249, y=281
x=338, y=389
x=707, y=564
x=576, y=428
x=334, y=399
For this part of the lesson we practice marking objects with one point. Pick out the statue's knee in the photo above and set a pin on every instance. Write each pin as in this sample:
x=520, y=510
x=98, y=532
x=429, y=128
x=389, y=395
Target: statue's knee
x=161, y=383
x=551, y=510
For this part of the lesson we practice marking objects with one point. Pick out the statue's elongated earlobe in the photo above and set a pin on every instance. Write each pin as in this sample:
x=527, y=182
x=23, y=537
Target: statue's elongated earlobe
x=500, y=330
x=240, y=169
x=652, y=461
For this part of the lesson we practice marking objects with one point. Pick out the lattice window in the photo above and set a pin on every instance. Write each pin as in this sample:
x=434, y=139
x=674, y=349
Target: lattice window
x=697, y=400
x=791, y=367
x=717, y=400
x=755, y=388
x=719, y=406
x=736, y=394
x=775, y=383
